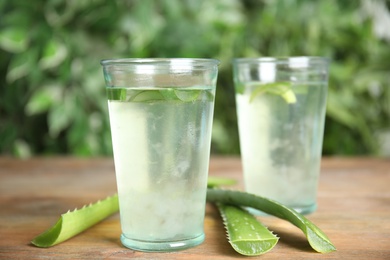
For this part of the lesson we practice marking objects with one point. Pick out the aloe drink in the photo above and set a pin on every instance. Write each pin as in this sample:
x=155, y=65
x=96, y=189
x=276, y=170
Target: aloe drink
x=281, y=103
x=161, y=143
x=281, y=129
x=161, y=112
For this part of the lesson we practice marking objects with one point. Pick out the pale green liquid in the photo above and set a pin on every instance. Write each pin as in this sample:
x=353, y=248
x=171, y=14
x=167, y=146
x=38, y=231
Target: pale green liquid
x=281, y=144
x=161, y=152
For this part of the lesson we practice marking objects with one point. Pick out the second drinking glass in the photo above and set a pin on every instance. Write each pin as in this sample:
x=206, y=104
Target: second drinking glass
x=281, y=106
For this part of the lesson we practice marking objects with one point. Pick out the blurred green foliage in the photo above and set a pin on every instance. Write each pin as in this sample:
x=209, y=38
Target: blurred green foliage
x=52, y=98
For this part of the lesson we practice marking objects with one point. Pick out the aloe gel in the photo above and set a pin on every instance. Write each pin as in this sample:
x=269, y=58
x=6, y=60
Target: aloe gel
x=281, y=144
x=160, y=166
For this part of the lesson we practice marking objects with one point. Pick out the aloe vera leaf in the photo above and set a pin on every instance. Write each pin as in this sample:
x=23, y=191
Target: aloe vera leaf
x=245, y=233
x=282, y=89
x=74, y=222
x=213, y=181
x=315, y=236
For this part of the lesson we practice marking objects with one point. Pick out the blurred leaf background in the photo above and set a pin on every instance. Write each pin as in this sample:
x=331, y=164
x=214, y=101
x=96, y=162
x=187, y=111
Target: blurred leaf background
x=52, y=96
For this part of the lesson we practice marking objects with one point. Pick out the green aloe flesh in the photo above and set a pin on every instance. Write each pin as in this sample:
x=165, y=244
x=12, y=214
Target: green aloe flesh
x=315, y=236
x=75, y=222
x=154, y=95
x=245, y=233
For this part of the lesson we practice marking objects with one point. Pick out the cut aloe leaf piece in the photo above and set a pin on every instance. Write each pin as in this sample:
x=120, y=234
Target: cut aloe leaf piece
x=147, y=96
x=187, y=95
x=75, y=222
x=213, y=181
x=184, y=95
x=282, y=89
x=245, y=233
x=315, y=236
x=116, y=94
x=168, y=94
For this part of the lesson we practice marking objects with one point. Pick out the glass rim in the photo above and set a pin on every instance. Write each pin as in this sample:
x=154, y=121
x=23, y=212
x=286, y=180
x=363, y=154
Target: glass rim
x=283, y=60
x=191, y=62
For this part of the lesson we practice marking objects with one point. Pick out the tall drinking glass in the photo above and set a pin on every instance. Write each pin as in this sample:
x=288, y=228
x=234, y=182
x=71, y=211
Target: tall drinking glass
x=161, y=113
x=281, y=105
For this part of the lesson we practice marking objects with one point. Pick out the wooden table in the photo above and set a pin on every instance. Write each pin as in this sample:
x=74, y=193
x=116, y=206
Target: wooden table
x=354, y=211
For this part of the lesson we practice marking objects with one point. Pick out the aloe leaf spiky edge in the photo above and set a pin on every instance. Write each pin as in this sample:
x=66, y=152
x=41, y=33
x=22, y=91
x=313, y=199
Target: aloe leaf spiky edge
x=315, y=236
x=245, y=233
x=74, y=222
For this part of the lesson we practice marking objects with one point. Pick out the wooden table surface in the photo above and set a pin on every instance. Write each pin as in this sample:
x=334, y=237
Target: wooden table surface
x=354, y=211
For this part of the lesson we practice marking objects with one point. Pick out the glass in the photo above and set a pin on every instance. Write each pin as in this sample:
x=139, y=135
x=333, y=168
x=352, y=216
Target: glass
x=281, y=105
x=161, y=113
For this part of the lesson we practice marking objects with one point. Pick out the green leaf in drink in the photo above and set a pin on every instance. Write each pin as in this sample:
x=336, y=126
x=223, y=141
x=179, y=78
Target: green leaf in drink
x=147, y=96
x=153, y=95
x=116, y=94
x=187, y=95
x=282, y=89
x=169, y=94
